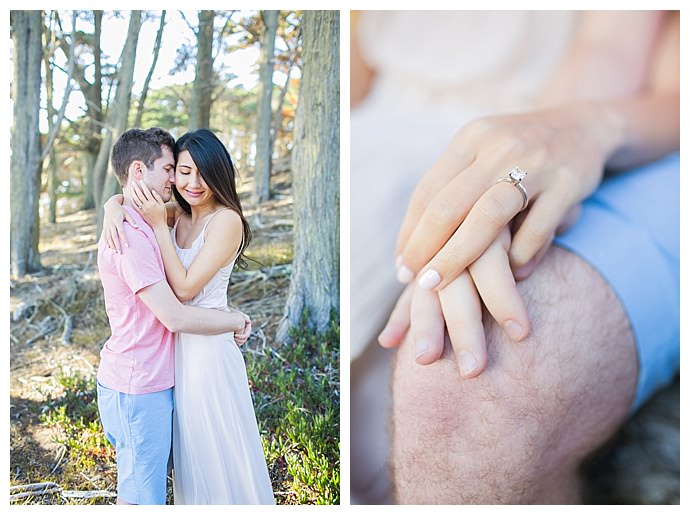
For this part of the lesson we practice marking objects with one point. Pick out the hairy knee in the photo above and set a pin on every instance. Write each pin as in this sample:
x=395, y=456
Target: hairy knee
x=541, y=404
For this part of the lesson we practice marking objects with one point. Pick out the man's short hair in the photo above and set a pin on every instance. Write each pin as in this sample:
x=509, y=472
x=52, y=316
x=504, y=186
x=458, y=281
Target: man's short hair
x=139, y=145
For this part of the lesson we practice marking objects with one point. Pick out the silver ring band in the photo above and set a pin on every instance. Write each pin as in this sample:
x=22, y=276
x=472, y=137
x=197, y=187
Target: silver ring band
x=514, y=177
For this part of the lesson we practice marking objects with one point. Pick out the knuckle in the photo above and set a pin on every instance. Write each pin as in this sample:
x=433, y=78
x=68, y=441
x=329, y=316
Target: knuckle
x=423, y=194
x=536, y=234
x=442, y=213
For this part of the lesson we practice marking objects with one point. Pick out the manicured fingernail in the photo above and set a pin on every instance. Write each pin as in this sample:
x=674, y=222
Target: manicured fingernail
x=467, y=362
x=398, y=262
x=429, y=280
x=422, y=348
x=514, y=330
x=405, y=275
x=126, y=244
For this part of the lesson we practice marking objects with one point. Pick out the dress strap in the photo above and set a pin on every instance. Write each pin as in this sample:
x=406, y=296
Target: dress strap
x=203, y=230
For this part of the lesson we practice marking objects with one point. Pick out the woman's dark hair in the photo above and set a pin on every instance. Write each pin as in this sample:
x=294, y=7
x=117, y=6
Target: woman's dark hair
x=215, y=166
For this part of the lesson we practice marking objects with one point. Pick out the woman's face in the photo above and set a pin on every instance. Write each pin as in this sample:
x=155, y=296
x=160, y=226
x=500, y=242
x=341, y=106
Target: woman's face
x=189, y=182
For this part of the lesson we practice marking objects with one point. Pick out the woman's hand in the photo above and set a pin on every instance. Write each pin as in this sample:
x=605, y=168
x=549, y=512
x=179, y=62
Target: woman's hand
x=113, y=218
x=458, y=308
x=242, y=337
x=458, y=208
x=149, y=205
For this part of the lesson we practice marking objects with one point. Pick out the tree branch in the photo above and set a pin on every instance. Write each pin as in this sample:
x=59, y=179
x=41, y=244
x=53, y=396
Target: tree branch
x=68, y=90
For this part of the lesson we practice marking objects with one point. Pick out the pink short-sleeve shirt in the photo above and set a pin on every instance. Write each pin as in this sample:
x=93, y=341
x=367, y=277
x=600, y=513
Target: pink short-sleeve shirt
x=138, y=357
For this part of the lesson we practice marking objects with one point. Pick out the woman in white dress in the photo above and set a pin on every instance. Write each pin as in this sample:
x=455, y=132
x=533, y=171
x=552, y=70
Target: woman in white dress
x=217, y=452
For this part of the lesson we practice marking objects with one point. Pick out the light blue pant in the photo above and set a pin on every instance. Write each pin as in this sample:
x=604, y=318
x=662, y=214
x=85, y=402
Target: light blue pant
x=629, y=231
x=140, y=428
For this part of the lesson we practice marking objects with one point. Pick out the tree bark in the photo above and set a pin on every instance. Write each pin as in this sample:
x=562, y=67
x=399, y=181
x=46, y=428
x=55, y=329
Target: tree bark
x=264, y=147
x=94, y=113
x=145, y=89
x=52, y=169
x=202, y=88
x=55, y=117
x=25, y=164
x=314, y=287
x=116, y=122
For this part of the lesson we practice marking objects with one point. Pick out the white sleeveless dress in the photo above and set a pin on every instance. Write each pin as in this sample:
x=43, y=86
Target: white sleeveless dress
x=217, y=452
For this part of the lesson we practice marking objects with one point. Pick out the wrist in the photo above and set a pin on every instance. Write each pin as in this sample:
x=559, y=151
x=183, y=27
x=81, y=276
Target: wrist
x=160, y=229
x=602, y=125
x=115, y=199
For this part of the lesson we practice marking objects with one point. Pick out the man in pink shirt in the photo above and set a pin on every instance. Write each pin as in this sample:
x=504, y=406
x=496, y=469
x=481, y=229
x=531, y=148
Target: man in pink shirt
x=136, y=373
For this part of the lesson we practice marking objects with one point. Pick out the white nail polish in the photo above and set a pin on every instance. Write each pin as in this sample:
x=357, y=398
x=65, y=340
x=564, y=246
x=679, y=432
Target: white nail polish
x=429, y=280
x=405, y=275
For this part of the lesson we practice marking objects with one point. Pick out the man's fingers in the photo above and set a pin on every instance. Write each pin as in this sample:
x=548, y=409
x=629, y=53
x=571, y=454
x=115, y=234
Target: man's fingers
x=462, y=311
x=494, y=281
x=427, y=326
x=398, y=321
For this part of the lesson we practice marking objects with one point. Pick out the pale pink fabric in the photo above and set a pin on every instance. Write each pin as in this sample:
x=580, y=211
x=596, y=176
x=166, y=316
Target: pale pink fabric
x=139, y=355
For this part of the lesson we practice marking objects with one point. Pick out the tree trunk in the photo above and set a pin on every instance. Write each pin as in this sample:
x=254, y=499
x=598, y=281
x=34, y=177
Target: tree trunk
x=25, y=165
x=314, y=287
x=55, y=117
x=145, y=89
x=94, y=113
x=52, y=186
x=202, y=89
x=264, y=148
x=116, y=122
x=52, y=170
x=278, y=113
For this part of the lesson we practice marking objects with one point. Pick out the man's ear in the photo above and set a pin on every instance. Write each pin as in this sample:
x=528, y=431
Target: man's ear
x=136, y=170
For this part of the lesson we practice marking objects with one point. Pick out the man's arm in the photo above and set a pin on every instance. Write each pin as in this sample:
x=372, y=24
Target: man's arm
x=177, y=317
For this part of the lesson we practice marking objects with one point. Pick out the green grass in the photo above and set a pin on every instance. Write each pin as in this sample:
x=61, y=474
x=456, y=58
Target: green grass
x=73, y=414
x=264, y=255
x=297, y=395
x=297, y=400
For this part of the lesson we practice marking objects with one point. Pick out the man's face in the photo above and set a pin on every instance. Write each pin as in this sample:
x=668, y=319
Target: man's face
x=161, y=176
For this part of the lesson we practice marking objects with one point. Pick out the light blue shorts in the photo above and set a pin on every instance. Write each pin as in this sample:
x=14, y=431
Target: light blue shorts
x=629, y=231
x=140, y=428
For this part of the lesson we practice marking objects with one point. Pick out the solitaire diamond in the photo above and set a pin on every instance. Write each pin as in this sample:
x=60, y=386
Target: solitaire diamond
x=517, y=174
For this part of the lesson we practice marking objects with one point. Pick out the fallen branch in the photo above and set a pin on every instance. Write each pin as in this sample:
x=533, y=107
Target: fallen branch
x=35, y=489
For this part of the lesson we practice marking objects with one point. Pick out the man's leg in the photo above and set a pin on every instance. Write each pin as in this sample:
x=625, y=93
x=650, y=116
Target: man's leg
x=518, y=432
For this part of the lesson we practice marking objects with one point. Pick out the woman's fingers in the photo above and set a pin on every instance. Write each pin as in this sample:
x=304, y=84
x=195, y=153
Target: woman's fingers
x=132, y=221
x=462, y=311
x=427, y=326
x=138, y=196
x=537, y=230
x=487, y=218
x=494, y=281
x=113, y=228
x=398, y=321
x=441, y=217
x=454, y=160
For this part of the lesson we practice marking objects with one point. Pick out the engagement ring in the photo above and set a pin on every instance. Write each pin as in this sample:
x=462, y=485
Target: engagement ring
x=514, y=177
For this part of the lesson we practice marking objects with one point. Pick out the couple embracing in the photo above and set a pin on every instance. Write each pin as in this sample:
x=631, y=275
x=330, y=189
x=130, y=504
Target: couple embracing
x=172, y=381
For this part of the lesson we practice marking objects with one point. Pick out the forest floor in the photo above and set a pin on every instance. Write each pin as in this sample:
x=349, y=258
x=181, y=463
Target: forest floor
x=58, y=326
